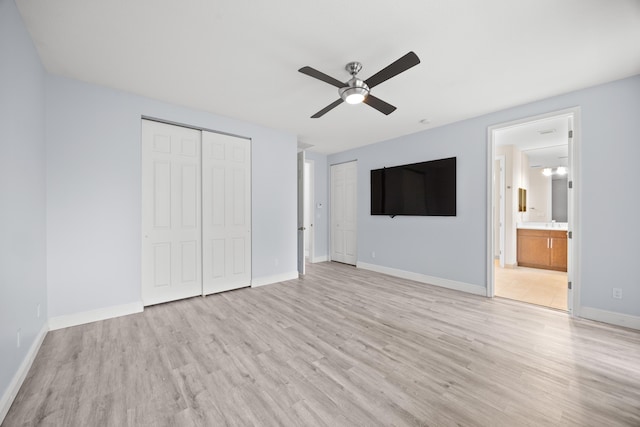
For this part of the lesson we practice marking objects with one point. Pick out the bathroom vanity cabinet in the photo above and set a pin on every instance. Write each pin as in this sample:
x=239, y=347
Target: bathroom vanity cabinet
x=542, y=249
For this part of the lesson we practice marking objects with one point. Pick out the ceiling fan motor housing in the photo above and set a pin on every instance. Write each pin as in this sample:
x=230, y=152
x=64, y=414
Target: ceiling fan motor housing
x=355, y=91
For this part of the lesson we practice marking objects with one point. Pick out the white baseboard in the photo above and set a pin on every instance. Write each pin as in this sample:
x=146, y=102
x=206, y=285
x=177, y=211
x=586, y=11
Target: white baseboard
x=620, y=319
x=12, y=391
x=268, y=280
x=437, y=281
x=322, y=258
x=75, y=319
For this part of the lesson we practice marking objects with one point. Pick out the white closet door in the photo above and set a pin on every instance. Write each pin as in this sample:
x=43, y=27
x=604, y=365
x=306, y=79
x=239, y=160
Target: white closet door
x=171, y=243
x=343, y=212
x=226, y=198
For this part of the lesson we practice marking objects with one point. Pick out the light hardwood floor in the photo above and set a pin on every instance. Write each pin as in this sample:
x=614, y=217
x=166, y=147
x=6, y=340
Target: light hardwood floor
x=341, y=347
x=532, y=285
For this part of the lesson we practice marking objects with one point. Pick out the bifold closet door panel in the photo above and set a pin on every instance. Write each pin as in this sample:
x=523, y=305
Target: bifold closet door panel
x=171, y=213
x=226, y=212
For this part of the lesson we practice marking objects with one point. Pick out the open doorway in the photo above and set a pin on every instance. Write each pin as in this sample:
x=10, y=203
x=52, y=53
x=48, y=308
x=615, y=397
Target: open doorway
x=305, y=212
x=308, y=210
x=532, y=209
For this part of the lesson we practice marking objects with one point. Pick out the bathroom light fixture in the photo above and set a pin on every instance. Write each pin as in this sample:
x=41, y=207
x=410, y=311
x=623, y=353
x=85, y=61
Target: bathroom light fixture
x=560, y=170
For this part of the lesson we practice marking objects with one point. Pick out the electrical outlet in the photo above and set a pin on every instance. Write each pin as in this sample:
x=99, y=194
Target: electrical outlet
x=617, y=293
x=373, y=254
x=18, y=342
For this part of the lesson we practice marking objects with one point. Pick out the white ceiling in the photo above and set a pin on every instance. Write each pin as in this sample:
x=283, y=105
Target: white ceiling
x=239, y=58
x=545, y=141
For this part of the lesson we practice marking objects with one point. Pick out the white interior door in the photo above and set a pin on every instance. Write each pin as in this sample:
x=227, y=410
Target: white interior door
x=171, y=243
x=343, y=212
x=226, y=199
x=301, y=209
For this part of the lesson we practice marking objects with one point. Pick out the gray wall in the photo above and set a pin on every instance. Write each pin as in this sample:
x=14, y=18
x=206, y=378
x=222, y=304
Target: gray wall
x=559, y=200
x=22, y=193
x=94, y=190
x=320, y=196
x=446, y=247
x=455, y=248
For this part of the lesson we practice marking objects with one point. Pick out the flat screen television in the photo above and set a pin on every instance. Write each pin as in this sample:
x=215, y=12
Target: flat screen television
x=418, y=189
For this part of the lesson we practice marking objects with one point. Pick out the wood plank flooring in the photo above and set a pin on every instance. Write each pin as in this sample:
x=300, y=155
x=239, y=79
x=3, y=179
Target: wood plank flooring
x=341, y=347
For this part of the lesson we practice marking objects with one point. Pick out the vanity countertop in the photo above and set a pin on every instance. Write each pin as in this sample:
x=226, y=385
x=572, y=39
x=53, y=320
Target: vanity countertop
x=543, y=225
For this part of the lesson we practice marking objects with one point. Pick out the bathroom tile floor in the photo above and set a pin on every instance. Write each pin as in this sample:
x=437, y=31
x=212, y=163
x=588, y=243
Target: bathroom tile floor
x=532, y=285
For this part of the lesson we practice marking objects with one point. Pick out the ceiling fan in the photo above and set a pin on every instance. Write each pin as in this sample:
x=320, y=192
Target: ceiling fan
x=356, y=90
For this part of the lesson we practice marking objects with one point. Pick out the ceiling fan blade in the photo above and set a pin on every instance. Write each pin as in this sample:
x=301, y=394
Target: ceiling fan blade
x=402, y=64
x=321, y=76
x=328, y=108
x=379, y=104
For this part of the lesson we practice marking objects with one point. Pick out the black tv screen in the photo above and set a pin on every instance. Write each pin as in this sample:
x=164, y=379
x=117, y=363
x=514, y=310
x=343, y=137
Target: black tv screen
x=419, y=189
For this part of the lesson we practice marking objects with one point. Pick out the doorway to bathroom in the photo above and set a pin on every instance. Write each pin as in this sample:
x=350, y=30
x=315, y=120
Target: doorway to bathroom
x=533, y=172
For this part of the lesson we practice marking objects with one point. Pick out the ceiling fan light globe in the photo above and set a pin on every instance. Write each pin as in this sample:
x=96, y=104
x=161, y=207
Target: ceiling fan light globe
x=354, y=98
x=354, y=94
